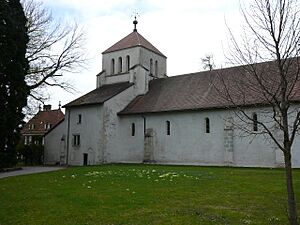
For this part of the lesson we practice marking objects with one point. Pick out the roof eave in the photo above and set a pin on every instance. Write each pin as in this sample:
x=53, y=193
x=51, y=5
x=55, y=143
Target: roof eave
x=121, y=113
x=159, y=53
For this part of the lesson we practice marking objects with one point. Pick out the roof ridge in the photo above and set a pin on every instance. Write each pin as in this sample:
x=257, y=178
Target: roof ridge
x=137, y=35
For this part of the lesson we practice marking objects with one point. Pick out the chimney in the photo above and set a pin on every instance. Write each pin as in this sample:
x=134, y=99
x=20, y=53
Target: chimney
x=47, y=107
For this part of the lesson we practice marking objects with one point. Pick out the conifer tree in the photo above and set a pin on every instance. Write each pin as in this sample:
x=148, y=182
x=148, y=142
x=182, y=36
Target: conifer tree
x=13, y=68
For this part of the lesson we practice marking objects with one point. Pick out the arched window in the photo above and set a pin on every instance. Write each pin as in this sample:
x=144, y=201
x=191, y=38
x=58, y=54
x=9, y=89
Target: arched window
x=254, y=119
x=168, y=127
x=133, y=129
x=207, y=125
x=112, y=66
x=151, y=66
x=127, y=63
x=156, y=69
x=120, y=65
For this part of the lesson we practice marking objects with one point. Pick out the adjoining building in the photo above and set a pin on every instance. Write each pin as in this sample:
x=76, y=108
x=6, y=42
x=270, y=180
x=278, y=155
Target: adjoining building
x=34, y=130
x=137, y=114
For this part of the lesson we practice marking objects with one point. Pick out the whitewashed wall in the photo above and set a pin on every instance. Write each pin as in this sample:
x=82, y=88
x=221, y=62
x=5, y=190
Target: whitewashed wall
x=55, y=145
x=90, y=131
x=115, y=131
x=190, y=144
x=145, y=57
x=134, y=54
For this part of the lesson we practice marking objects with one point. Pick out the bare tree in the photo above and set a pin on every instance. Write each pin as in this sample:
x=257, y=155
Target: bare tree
x=272, y=33
x=208, y=62
x=54, y=48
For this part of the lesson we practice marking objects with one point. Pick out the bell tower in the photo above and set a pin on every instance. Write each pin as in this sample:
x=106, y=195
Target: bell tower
x=132, y=59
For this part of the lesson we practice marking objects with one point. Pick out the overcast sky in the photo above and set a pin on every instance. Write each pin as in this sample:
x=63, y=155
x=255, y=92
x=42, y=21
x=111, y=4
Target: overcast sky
x=184, y=31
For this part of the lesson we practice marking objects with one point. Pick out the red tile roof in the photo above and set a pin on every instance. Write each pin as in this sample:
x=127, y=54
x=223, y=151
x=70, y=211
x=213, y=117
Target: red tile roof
x=206, y=90
x=38, y=124
x=132, y=40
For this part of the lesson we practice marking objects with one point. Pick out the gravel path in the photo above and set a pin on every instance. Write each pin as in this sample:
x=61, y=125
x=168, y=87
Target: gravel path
x=30, y=170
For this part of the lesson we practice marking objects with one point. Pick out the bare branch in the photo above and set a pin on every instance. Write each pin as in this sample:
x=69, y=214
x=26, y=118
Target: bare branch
x=54, y=49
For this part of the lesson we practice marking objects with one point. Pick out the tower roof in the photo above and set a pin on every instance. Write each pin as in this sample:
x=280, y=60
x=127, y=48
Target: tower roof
x=134, y=39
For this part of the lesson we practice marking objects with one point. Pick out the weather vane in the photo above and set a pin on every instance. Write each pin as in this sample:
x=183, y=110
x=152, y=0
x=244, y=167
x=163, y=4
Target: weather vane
x=135, y=22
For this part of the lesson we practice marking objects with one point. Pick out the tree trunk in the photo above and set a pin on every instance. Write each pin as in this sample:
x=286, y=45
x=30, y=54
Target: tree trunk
x=292, y=208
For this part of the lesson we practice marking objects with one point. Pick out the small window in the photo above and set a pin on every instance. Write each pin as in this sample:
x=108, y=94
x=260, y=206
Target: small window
x=25, y=140
x=133, y=129
x=151, y=66
x=156, y=68
x=30, y=140
x=120, y=65
x=79, y=119
x=47, y=126
x=76, y=139
x=207, y=125
x=168, y=127
x=112, y=67
x=127, y=63
x=254, y=119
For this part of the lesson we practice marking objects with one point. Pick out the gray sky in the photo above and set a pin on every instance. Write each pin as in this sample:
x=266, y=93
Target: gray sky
x=184, y=31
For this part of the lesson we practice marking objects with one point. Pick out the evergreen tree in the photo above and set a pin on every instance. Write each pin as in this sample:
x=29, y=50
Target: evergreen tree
x=13, y=68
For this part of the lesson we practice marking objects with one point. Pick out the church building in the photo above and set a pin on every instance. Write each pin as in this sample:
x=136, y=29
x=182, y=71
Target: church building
x=138, y=114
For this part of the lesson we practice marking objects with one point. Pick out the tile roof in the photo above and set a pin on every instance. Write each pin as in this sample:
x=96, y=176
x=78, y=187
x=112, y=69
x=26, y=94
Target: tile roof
x=38, y=124
x=206, y=90
x=132, y=40
x=99, y=95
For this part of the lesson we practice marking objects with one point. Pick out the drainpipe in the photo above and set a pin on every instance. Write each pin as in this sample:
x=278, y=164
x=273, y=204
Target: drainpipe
x=68, y=134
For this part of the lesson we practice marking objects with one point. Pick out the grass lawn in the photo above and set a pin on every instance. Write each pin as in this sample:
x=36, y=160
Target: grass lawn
x=146, y=194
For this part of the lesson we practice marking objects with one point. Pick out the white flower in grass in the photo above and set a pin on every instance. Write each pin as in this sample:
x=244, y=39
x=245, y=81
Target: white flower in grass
x=63, y=176
x=73, y=176
x=127, y=189
x=89, y=187
x=153, y=171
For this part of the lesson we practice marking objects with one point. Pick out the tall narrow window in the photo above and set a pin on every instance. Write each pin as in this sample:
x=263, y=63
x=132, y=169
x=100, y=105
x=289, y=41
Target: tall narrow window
x=254, y=119
x=112, y=67
x=168, y=127
x=151, y=66
x=120, y=65
x=133, y=129
x=207, y=125
x=76, y=139
x=79, y=119
x=156, y=69
x=127, y=63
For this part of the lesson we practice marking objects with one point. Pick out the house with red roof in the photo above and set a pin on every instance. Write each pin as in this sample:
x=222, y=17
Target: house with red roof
x=34, y=130
x=138, y=114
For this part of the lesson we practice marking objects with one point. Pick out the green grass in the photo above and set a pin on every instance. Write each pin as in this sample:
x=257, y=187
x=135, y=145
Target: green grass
x=146, y=194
